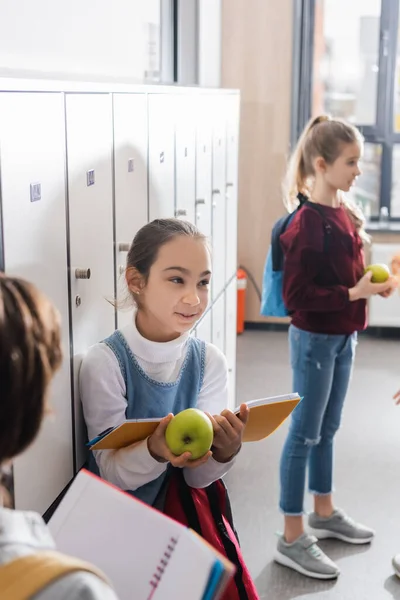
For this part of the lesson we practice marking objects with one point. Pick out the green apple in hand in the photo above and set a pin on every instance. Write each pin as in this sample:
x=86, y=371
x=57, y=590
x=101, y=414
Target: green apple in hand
x=380, y=273
x=190, y=431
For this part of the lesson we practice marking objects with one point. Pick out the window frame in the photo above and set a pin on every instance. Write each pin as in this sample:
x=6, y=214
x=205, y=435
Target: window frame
x=382, y=132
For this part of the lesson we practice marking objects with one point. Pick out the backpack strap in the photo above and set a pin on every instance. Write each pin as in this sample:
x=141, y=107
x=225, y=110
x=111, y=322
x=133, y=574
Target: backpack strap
x=230, y=547
x=190, y=511
x=327, y=226
x=278, y=229
x=187, y=502
x=228, y=508
x=24, y=577
x=276, y=250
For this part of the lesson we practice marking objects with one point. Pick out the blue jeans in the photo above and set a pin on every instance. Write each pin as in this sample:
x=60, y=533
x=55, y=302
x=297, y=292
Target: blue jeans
x=322, y=366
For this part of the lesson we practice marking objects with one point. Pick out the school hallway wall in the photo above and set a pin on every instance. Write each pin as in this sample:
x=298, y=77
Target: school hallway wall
x=366, y=474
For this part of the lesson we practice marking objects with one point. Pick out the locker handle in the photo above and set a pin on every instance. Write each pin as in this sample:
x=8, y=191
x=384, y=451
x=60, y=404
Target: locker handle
x=124, y=247
x=200, y=201
x=82, y=273
x=181, y=212
x=229, y=184
x=216, y=191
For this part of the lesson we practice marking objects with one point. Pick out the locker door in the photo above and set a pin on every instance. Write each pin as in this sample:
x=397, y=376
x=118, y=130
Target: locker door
x=203, y=165
x=218, y=195
x=232, y=149
x=218, y=323
x=35, y=248
x=161, y=156
x=89, y=162
x=130, y=180
x=230, y=338
x=185, y=157
x=204, y=328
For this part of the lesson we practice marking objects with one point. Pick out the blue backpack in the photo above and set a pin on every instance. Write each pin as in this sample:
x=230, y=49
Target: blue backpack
x=272, y=304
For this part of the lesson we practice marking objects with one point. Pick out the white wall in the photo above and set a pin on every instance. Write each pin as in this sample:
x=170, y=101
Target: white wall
x=209, y=43
x=83, y=38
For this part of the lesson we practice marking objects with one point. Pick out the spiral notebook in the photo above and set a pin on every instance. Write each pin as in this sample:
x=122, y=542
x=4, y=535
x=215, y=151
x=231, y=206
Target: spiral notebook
x=266, y=415
x=138, y=548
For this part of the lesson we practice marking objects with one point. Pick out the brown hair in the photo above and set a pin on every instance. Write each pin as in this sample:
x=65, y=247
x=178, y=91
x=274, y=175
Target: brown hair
x=325, y=137
x=150, y=238
x=30, y=353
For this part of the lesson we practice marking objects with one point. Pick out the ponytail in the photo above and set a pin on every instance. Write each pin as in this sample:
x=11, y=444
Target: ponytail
x=298, y=174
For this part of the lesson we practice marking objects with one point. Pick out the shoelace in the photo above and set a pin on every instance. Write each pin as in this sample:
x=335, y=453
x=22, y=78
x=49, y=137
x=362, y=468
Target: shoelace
x=347, y=519
x=315, y=551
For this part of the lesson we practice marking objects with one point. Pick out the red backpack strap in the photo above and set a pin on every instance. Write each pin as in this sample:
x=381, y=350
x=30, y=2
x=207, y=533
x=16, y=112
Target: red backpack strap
x=213, y=496
x=227, y=508
x=187, y=503
x=230, y=547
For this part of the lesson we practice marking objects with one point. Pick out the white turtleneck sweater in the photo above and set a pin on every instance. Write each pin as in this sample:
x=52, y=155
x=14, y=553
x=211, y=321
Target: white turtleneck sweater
x=102, y=390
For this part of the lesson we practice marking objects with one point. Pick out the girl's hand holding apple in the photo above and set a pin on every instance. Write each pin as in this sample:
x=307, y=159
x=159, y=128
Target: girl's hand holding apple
x=159, y=450
x=365, y=288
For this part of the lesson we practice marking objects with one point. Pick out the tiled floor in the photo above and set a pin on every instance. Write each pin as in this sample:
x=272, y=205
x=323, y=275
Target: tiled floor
x=367, y=473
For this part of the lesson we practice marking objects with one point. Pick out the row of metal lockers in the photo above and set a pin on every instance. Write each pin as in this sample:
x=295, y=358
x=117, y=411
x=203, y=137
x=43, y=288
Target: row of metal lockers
x=80, y=174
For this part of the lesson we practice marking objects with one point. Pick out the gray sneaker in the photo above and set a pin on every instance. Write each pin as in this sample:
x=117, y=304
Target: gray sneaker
x=304, y=556
x=341, y=527
x=396, y=564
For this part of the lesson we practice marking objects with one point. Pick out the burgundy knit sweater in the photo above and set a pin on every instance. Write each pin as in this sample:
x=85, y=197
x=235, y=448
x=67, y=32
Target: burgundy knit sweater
x=317, y=279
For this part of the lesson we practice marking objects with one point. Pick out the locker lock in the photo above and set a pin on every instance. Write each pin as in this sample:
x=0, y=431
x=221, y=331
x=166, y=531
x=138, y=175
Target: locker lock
x=82, y=273
x=123, y=247
x=78, y=301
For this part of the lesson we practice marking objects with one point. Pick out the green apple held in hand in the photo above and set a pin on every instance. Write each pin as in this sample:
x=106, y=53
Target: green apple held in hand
x=380, y=273
x=190, y=431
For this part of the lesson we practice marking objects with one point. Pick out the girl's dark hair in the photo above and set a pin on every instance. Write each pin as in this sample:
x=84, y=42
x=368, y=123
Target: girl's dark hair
x=150, y=238
x=30, y=353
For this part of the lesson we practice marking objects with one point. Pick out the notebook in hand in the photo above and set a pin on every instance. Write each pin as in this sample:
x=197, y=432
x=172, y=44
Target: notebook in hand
x=145, y=554
x=129, y=432
x=266, y=415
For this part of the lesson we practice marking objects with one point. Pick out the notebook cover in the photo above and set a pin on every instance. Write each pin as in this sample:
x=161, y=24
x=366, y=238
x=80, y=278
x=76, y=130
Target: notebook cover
x=126, y=434
x=266, y=418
